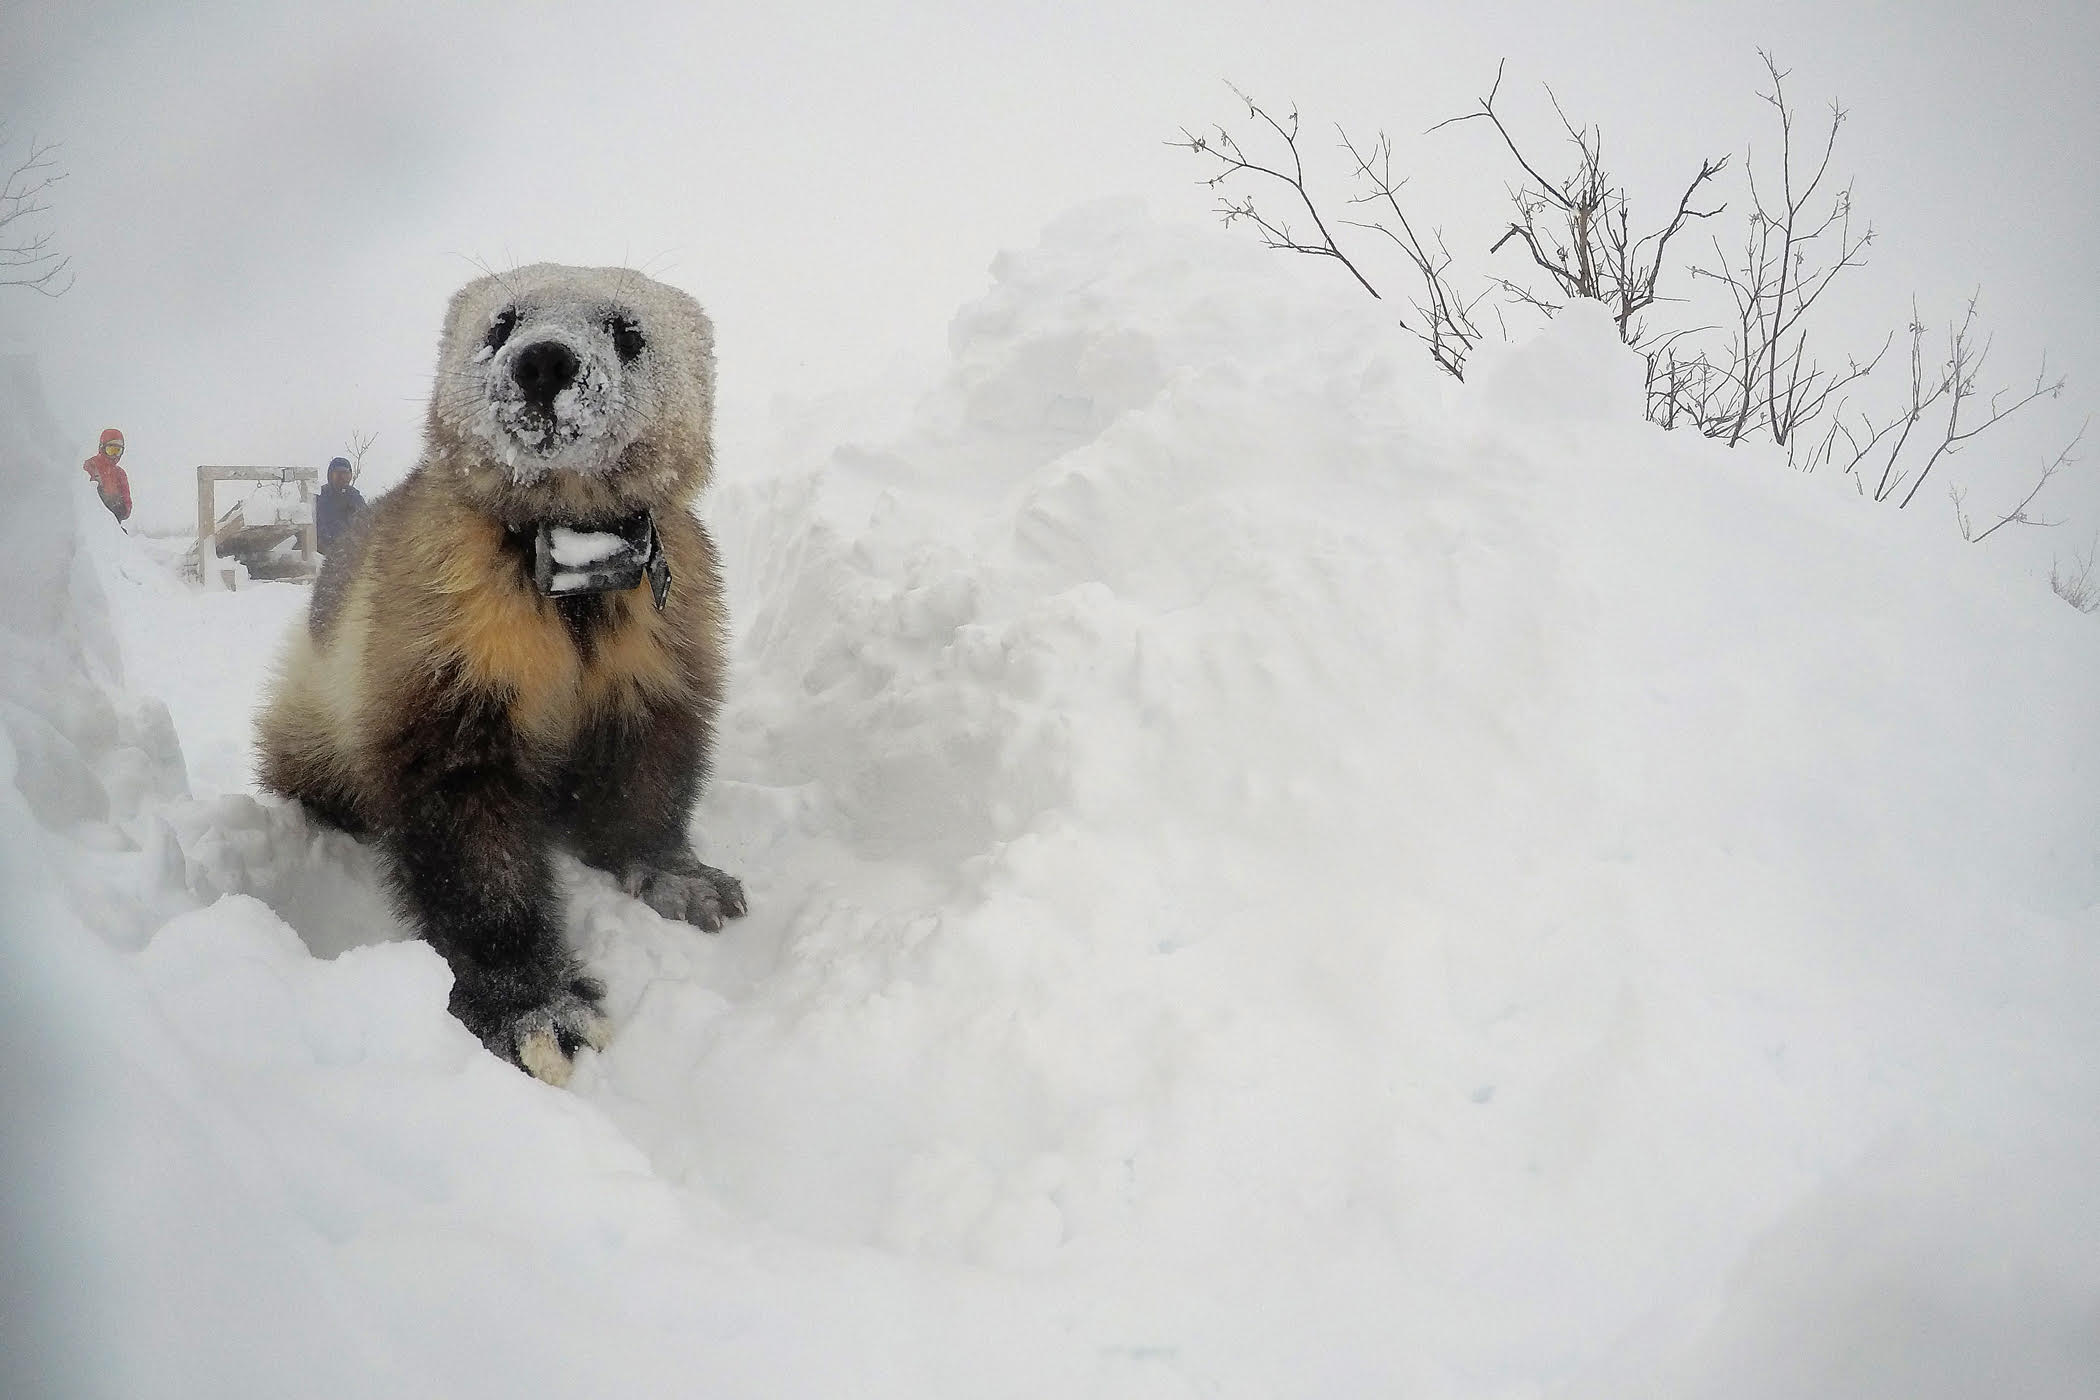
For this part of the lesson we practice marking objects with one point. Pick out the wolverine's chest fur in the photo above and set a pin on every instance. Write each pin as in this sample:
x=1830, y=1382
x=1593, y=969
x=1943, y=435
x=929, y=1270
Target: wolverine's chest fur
x=555, y=663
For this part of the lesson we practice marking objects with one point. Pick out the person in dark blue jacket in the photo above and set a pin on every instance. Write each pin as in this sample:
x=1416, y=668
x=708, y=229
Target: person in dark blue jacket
x=336, y=506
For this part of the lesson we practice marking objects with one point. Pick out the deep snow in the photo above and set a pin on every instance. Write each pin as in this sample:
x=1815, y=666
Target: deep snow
x=1271, y=873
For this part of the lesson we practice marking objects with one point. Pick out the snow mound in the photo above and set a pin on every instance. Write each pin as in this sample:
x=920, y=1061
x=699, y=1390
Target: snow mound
x=1271, y=872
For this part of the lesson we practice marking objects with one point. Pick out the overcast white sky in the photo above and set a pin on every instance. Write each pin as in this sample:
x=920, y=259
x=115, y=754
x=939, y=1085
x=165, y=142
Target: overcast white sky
x=267, y=204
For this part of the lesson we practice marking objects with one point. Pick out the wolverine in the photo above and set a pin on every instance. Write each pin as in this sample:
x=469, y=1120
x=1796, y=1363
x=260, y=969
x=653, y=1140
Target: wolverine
x=520, y=648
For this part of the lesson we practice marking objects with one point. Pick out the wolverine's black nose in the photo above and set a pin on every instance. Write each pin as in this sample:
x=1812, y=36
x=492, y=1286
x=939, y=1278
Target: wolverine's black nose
x=544, y=370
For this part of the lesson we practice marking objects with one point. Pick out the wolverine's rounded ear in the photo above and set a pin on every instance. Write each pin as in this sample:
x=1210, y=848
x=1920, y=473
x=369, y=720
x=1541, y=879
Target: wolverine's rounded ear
x=470, y=305
x=700, y=335
x=456, y=313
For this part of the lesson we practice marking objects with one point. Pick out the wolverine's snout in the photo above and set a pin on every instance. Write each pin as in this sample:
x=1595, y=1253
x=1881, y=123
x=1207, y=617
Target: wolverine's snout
x=543, y=371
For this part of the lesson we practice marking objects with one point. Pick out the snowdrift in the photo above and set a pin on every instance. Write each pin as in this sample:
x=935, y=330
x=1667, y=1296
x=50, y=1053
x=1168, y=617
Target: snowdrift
x=1272, y=873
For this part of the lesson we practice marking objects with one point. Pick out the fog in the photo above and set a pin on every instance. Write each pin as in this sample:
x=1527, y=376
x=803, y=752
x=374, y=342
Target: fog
x=266, y=209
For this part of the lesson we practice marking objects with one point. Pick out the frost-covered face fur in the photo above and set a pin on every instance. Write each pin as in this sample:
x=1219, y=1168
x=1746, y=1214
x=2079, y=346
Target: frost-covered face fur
x=591, y=374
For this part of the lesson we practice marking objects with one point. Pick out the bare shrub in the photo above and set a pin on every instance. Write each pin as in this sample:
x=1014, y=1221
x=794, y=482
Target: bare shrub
x=2080, y=589
x=360, y=443
x=1767, y=381
x=1950, y=387
x=27, y=255
x=1443, y=316
x=1759, y=371
x=1584, y=217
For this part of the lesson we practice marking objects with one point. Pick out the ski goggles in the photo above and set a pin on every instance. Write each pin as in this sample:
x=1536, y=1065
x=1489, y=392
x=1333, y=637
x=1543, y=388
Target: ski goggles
x=113, y=449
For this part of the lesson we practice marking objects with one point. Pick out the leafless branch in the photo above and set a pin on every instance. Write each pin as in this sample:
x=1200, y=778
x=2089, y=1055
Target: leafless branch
x=2018, y=514
x=28, y=258
x=1232, y=161
x=1443, y=316
x=1446, y=316
x=1954, y=382
x=359, y=444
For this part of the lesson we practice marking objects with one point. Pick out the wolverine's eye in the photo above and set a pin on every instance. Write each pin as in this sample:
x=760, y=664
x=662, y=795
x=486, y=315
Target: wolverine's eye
x=499, y=329
x=626, y=336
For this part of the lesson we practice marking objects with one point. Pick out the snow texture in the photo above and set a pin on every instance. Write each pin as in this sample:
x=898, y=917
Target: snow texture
x=579, y=549
x=1271, y=873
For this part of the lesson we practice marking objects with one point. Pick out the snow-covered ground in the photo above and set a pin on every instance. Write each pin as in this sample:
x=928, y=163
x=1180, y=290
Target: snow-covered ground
x=1272, y=873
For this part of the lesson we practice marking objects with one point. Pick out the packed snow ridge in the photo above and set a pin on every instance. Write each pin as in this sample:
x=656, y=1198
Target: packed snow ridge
x=1271, y=873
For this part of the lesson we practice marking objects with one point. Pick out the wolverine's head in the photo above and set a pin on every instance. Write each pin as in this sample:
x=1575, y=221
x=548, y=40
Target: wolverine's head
x=575, y=393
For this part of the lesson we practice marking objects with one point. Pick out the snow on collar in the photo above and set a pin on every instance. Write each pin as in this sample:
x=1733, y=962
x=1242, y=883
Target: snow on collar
x=568, y=562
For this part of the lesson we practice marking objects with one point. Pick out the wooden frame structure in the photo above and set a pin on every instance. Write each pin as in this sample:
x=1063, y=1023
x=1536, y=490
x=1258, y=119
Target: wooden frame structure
x=231, y=534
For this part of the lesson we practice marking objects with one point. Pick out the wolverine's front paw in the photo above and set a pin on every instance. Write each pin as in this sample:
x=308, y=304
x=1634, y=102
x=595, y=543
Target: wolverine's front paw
x=545, y=1039
x=540, y=1036
x=698, y=894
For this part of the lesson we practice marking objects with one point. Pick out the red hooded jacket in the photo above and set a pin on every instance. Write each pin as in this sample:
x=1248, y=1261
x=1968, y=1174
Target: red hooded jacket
x=110, y=481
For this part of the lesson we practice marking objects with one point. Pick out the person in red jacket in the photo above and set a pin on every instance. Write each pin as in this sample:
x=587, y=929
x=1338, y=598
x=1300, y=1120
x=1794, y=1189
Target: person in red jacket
x=110, y=482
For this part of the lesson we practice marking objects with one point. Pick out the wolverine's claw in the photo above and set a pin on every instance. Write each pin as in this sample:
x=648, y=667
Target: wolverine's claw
x=699, y=895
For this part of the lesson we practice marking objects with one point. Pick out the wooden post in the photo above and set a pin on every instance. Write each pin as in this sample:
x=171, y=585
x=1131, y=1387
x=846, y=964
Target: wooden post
x=306, y=529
